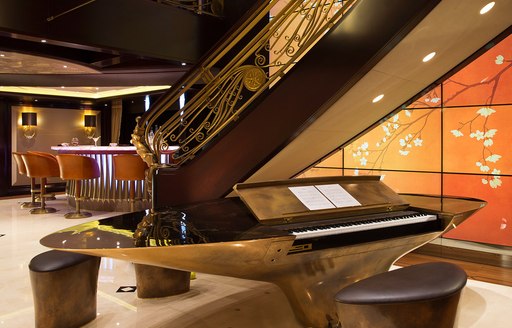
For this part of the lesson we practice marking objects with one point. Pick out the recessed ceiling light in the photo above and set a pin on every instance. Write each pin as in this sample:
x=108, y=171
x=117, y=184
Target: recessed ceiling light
x=378, y=98
x=62, y=87
x=43, y=41
x=65, y=66
x=429, y=56
x=2, y=55
x=486, y=8
x=183, y=64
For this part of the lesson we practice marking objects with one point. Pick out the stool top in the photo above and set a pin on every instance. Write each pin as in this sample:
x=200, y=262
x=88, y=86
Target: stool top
x=419, y=282
x=56, y=260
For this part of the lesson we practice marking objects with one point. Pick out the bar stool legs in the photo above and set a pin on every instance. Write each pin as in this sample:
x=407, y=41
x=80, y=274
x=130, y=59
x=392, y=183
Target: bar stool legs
x=43, y=209
x=78, y=214
x=33, y=195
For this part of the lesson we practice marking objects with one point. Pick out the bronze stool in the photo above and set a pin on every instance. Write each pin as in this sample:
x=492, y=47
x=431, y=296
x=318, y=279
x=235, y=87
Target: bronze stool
x=64, y=286
x=420, y=296
x=153, y=281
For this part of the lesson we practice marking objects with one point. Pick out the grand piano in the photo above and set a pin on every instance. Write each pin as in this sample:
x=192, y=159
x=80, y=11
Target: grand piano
x=310, y=237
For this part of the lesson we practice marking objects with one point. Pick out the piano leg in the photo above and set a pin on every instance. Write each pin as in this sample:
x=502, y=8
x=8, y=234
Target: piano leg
x=311, y=280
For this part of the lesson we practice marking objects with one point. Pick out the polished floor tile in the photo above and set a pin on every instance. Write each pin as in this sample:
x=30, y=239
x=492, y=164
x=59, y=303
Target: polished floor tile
x=212, y=302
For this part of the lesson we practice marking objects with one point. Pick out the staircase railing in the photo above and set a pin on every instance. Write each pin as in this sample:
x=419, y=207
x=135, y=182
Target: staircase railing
x=234, y=74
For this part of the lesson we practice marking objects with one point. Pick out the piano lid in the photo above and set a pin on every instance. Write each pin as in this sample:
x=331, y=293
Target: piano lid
x=275, y=202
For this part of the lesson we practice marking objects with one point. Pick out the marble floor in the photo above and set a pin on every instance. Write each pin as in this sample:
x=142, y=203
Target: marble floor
x=213, y=301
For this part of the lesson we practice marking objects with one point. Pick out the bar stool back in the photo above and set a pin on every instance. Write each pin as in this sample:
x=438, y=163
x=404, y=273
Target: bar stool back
x=130, y=168
x=22, y=169
x=42, y=167
x=77, y=168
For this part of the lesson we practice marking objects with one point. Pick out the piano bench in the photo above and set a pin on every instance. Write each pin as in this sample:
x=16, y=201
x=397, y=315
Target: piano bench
x=64, y=286
x=421, y=296
x=154, y=282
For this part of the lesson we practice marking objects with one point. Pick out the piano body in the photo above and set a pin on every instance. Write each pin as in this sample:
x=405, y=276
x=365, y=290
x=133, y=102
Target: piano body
x=311, y=237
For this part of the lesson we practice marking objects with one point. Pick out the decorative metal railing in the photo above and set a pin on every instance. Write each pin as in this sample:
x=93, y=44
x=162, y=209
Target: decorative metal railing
x=233, y=79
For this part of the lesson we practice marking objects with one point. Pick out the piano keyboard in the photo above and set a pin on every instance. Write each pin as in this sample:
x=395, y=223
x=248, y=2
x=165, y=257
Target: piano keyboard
x=360, y=225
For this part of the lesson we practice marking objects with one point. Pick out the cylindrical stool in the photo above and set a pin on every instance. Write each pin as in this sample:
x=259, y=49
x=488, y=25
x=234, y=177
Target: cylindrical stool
x=153, y=282
x=129, y=168
x=420, y=296
x=78, y=168
x=64, y=288
x=42, y=167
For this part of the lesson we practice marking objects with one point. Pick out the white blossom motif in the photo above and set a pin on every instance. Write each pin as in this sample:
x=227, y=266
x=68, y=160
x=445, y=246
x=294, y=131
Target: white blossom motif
x=485, y=135
x=486, y=111
x=457, y=133
x=499, y=60
x=418, y=142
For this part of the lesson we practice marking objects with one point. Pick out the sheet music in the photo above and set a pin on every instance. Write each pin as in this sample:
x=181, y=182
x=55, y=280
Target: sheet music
x=322, y=197
x=337, y=195
x=311, y=197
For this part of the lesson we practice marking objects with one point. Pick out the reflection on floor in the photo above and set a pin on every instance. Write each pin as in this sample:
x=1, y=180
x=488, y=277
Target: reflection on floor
x=213, y=301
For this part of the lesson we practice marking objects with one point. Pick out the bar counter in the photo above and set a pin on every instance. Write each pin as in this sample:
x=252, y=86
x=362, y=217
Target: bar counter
x=105, y=193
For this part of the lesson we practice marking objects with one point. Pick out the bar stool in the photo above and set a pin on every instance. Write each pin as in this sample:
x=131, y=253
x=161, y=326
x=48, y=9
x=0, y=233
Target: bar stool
x=77, y=168
x=49, y=196
x=130, y=168
x=22, y=169
x=41, y=167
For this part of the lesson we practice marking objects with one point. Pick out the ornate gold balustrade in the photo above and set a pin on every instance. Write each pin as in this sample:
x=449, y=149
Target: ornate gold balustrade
x=282, y=33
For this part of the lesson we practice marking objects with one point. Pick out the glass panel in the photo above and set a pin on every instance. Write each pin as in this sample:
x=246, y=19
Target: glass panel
x=493, y=223
x=477, y=140
x=410, y=140
x=485, y=81
x=406, y=182
x=431, y=99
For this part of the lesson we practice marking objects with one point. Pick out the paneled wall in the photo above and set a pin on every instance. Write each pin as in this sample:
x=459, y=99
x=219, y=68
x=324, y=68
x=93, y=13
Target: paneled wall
x=54, y=126
x=453, y=140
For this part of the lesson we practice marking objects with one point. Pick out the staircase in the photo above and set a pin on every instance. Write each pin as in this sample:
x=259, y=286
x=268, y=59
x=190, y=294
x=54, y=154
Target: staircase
x=278, y=70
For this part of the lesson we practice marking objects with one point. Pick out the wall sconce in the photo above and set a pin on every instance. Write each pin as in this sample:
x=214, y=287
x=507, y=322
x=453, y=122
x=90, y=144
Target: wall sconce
x=90, y=125
x=29, y=123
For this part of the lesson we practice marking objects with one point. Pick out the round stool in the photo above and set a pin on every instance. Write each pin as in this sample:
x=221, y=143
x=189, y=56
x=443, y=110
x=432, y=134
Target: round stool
x=130, y=168
x=77, y=168
x=64, y=288
x=22, y=169
x=42, y=167
x=420, y=296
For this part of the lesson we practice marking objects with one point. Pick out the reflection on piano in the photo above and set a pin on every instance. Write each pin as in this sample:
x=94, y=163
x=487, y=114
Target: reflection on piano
x=311, y=237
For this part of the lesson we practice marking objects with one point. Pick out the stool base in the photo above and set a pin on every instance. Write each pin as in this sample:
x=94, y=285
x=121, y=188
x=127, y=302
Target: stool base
x=77, y=215
x=43, y=210
x=30, y=205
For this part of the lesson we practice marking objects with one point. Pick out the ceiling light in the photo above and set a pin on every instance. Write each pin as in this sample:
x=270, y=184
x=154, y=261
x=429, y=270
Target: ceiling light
x=183, y=64
x=43, y=41
x=65, y=66
x=2, y=55
x=486, y=8
x=378, y=98
x=62, y=87
x=429, y=56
